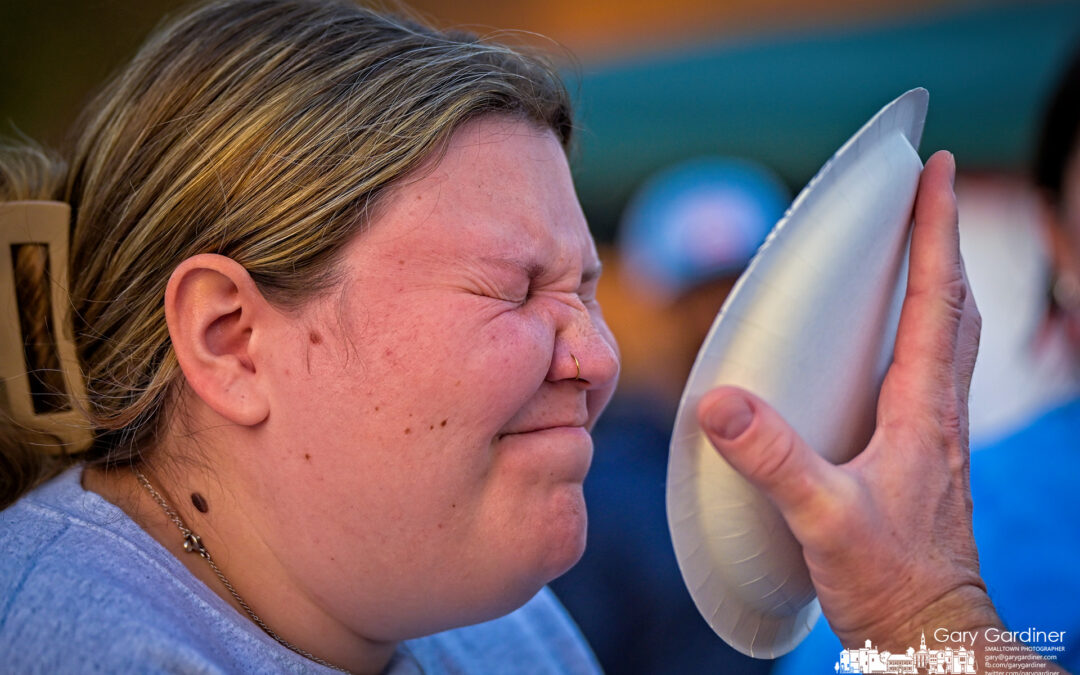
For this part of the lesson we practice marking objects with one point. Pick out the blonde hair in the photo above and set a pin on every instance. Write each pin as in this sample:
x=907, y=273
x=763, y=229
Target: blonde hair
x=263, y=130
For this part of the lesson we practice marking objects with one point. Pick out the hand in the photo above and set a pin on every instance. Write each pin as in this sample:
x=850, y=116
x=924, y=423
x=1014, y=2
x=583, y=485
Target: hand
x=887, y=536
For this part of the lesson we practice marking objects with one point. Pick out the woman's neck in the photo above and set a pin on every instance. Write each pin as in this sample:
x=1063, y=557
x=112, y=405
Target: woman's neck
x=217, y=515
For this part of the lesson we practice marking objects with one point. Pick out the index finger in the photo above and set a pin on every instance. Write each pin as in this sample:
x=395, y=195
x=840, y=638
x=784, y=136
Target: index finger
x=925, y=351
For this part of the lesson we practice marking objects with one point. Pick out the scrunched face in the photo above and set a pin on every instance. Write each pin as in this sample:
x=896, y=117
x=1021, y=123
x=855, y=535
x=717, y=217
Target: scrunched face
x=427, y=427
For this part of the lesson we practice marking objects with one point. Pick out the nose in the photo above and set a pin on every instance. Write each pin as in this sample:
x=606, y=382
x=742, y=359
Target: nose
x=585, y=350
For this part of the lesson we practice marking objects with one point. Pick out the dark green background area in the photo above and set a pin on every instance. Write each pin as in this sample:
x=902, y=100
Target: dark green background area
x=55, y=53
x=790, y=101
x=787, y=100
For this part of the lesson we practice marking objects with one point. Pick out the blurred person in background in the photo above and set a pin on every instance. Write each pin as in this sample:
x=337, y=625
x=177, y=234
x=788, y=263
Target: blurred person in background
x=1024, y=485
x=1027, y=364
x=684, y=239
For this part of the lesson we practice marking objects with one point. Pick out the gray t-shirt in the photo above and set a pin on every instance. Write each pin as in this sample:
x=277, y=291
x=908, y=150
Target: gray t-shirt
x=83, y=589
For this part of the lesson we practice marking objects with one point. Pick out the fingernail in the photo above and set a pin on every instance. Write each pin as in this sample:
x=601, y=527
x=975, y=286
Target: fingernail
x=952, y=173
x=729, y=417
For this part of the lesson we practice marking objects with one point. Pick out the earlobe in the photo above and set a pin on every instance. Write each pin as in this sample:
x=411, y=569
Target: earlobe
x=212, y=308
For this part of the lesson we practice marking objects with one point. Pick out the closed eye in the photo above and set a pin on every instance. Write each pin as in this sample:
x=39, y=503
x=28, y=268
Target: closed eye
x=591, y=274
x=590, y=279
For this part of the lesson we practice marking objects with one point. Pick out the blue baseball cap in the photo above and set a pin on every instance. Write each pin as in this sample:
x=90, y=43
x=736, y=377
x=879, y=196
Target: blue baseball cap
x=699, y=220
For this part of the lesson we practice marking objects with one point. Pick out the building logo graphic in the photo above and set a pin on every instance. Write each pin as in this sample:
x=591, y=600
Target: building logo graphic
x=868, y=659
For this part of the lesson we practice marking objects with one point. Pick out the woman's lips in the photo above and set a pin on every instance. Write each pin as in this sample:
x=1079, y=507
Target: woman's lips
x=565, y=450
x=573, y=428
x=548, y=420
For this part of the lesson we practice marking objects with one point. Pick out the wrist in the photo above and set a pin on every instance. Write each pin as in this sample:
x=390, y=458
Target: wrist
x=966, y=608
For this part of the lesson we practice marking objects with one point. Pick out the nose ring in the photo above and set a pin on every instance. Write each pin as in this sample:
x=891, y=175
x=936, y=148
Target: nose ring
x=577, y=364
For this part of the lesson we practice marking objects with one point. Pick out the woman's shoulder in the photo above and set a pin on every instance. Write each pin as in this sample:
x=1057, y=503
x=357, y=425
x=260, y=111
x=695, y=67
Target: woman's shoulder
x=72, y=581
x=57, y=536
x=81, y=583
x=64, y=537
x=540, y=637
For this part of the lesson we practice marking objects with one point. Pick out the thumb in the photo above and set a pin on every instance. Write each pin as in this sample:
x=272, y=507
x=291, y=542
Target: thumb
x=757, y=442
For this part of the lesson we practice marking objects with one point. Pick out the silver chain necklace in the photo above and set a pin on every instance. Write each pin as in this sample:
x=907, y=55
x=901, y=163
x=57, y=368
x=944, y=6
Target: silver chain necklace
x=193, y=544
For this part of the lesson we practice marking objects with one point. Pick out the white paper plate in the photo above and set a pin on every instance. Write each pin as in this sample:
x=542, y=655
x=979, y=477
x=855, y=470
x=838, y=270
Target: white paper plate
x=809, y=327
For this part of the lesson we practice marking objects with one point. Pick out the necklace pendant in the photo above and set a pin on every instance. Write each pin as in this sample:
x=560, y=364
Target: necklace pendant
x=193, y=544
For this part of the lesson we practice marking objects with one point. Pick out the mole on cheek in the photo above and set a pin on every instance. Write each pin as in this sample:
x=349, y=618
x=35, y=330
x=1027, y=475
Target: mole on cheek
x=307, y=456
x=314, y=337
x=200, y=502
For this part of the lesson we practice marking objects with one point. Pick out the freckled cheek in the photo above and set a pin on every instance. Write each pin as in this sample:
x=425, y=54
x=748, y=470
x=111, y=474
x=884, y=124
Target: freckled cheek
x=521, y=344
x=504, y=372
x=417, y=482
x=311, y=356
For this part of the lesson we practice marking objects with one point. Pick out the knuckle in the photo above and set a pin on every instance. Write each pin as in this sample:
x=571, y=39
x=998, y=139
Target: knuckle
x=973, y=303
x=773, y=458
x=976, y=322
x=955, y=293
x=953, y=439
x=957, y=459
x=835, y=516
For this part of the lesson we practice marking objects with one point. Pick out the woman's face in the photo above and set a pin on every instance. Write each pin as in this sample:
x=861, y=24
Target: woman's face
x=1064, y=239
x=427, y=436
x=1069, y=213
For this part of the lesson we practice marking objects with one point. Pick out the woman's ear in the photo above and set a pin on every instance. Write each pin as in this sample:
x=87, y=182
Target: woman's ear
x=212, y=308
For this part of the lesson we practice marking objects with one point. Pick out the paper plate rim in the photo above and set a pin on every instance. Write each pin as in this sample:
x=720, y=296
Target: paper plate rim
x=906, y=114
